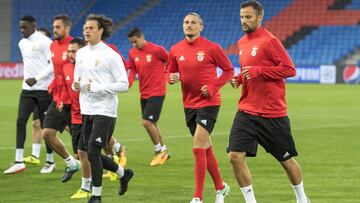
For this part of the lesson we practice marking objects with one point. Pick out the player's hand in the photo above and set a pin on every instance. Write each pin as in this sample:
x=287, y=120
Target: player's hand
x=245, y=72
x=88, y=86
x=77, y=85
x=174, y=78
x=31, y=81
x=205, y=91
x=235, y=83
x=60, y=107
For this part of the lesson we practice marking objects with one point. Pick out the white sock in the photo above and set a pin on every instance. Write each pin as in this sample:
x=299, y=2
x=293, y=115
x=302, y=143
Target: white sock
x=96, y=191
x=85, y=183
x=248, y=194
x=36, y=150
x=50, y=158
x=19, y=155
x=163, y=148
x=157, y=147
x=300, y=193
x=70, y=161
x=117, y=146
x=120, y=172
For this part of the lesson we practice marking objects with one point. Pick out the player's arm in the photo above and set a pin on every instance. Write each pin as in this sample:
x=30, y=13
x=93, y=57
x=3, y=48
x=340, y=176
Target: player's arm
x=223, y=62
x=172, y=69
x=120, y=79
x=132, y=70
x=77, y=76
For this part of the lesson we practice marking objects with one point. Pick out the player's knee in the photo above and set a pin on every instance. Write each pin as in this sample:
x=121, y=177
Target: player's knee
x=20, y=121
x=236, y=158
x=147, y=123
x=35, y=124
x=48, y=134
x=290, y=164
x=94, y=152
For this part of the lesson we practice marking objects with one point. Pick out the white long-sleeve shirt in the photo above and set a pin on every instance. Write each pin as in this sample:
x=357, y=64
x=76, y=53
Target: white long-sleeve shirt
x=102, y=67
x=35, y=51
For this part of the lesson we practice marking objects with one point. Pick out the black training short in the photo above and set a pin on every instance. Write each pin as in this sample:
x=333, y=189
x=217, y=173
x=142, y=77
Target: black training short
x=206, y=117
x=36, y=113
x=96, y=129
x=57, y=120
x=151, y=108
x=274, y=134
x=75, y=136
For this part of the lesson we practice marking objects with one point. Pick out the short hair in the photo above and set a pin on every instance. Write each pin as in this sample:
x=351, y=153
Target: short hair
x=45, y=30
x=256, y=6
x=135, y=32
x=79, y=41
x=197, y=15
x=104, y=23
x=28, y=18
x=65, y=19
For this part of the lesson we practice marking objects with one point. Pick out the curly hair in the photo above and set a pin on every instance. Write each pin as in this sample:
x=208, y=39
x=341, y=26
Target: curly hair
x=103, y=22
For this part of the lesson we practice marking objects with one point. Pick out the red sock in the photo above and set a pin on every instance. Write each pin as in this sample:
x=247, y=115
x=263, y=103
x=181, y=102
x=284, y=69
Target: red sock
x=200, y=171
x=213, y=168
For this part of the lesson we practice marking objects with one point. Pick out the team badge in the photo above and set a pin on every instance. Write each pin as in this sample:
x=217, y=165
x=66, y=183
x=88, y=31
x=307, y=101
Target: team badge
x=97, y=62
x=200, y=55
x=148, y=58
x=253, y=51
x=137, y=59
x=64, y=55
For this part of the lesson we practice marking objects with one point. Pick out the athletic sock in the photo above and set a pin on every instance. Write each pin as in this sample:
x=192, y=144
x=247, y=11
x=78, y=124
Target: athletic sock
x=157, y=147
x=120, y=172
x=96, y=191
x=85, y=183
x=248, y=194
x=19, y=155
x=213, y=168
x=200, y=171
x=163, y=148
x=70, y=161
x=50, y=158
x=300, y=193
x=36, y=150
x=117, y=146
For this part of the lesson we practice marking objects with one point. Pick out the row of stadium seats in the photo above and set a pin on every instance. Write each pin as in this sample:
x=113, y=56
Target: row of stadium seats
x=323, y=44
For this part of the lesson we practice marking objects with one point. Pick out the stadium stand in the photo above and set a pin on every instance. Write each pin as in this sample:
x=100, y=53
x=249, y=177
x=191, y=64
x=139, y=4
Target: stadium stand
x=312, y=31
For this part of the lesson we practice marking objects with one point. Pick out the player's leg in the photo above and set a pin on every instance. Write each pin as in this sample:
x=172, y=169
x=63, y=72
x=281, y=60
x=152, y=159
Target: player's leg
x=242, y=143
x=101, y=130
x=34, y=158
x=27, y=104
x=151, y=109
x=53, y=122
x=117, y=152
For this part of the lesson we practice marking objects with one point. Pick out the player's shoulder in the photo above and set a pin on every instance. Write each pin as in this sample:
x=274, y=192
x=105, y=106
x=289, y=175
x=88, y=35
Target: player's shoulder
x=178, y=45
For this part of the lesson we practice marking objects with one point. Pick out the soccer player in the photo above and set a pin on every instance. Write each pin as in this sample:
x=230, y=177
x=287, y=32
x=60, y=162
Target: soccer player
x=35, y=49
x=34, y=159
x=262, y=117
x=148, y=61
x=99, y=75
x=195, y=59
x=58, y=115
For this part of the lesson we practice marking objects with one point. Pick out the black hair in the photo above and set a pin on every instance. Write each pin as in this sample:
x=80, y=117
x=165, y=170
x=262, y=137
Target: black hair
x=135, y=32
x=104, y=23
x=79, y=41
x=28, y=18
x=65, y=19
x=45, y=30
x=256, y=6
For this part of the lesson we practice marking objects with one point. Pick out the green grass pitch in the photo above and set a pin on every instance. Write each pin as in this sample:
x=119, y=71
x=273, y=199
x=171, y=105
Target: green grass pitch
x=325, y=124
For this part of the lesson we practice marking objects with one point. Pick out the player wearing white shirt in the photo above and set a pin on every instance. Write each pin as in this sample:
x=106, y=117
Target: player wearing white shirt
x=99, y=75
x=35, y=51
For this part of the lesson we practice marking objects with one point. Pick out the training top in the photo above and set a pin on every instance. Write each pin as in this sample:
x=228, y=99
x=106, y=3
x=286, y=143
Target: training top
x=264, y=94
x=35, y=51
x=196, y=63
x=59, y=57
x=68, y=70
x=149, y=63
x=100, y=66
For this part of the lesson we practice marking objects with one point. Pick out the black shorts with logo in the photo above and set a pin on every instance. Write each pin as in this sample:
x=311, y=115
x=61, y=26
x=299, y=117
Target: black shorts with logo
x=75, y=136
x=274, y=134
x=206, y=117
x=57, y=120
x=151, y=108
x=96, y=129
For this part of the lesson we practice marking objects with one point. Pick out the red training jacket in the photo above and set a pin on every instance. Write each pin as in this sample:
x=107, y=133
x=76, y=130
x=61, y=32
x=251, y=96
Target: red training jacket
x=68, y=70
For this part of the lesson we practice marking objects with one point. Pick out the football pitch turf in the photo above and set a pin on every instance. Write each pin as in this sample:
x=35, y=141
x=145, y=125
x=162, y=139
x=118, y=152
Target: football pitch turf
x=325, y=122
